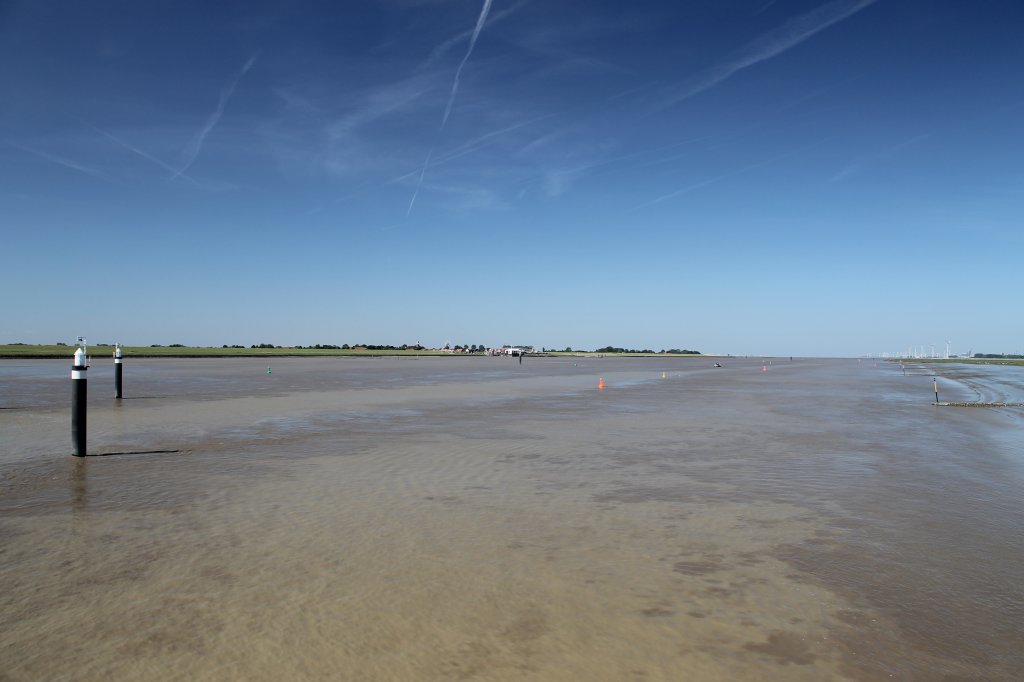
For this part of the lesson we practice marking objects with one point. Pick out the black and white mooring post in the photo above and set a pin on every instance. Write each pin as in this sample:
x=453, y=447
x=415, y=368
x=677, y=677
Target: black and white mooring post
x=118, y=369
x=935, y=385
x=78, y=399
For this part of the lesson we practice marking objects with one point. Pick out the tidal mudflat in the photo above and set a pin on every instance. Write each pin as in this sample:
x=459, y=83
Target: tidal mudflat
x=473, y=518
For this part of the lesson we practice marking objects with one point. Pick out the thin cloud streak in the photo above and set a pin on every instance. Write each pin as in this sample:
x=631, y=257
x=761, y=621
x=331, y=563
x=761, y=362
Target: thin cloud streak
x=62, y=161
x=774, y=43
x=458, y=72
x=451, y=98
x=195, y=145
x=419, y=183
x=149, y=157
x=859, y=166
x=724, y=176
x=439, y=51
x=467, y=148
x=488, y=138
x=378, y=102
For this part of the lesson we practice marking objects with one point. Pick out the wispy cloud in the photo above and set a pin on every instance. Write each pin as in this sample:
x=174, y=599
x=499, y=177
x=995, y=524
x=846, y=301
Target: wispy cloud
x=146, y=155
x=63, y=161
x=541, y=142
x=149, y=157
x=349, y=132
x=487, y=139
x=458, y=72
x=464, y=149
x=451, y=97
x=772, y=44
x=447, y=45
x=195, y=145
x=379, y=102
x=557, y=181
x=466, y=199
x=419, y=183
x=861, y=165
x=723, y=176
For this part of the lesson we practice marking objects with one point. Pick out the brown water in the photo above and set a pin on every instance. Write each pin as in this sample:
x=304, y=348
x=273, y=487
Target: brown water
x=473, y=518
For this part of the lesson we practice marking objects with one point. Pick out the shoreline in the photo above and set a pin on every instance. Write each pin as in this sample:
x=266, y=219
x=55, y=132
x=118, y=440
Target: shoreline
x=50, y=352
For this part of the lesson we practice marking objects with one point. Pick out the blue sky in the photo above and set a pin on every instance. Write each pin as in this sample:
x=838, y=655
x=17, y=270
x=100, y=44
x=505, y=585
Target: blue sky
x=787, y=177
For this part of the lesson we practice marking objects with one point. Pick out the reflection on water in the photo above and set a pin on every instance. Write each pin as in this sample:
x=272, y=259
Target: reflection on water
x=462, y=519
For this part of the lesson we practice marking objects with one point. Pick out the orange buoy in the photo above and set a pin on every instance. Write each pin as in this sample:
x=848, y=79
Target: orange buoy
x=600, y=384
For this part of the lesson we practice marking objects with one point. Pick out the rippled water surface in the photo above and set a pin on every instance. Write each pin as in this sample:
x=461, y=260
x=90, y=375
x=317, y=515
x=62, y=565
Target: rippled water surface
x=474, y=518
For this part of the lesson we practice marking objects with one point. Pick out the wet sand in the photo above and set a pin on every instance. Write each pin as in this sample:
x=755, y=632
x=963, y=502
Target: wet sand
x=473, y=518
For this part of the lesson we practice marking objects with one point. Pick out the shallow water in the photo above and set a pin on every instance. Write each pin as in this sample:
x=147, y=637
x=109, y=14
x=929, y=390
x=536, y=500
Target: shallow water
x=473, y=518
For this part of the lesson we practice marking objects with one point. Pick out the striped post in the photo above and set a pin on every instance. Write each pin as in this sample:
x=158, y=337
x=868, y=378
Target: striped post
x=79, y=393
x=118, y=371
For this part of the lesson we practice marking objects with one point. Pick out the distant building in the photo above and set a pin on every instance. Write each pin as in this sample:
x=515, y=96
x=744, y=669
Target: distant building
x=516, y=351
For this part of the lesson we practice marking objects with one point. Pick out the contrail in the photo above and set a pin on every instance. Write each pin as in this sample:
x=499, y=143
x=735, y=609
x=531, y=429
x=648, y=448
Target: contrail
x=62, y=161
x=458, y=72
x=196, y=143
x=149, y=157
x=725, y=176
x=468, y=148
x=419, y=183
x=439, y=51
x=858, y=166
x=775, y=42
x=487, y=139
x=451, y=98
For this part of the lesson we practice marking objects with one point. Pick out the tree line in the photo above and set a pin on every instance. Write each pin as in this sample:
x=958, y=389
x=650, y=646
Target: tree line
x=670, y=351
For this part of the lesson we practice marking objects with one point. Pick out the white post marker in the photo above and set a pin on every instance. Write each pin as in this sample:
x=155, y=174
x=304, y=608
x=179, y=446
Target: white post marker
x=79, y=394
x=118, y=370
